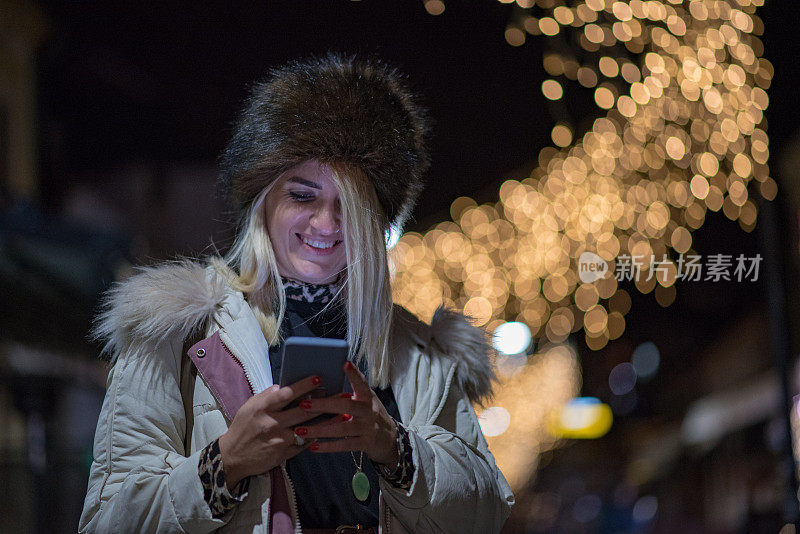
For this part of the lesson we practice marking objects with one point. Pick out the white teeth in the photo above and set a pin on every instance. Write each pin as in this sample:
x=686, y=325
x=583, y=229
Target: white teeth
x=318, y=244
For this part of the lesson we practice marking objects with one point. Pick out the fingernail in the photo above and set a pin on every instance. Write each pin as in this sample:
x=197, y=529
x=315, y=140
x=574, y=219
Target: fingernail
x=301, y=431
x=346, y=417
x=347, y=395
x=349, y=365
x=316, y=381
x=314, y=446
x=306, y=404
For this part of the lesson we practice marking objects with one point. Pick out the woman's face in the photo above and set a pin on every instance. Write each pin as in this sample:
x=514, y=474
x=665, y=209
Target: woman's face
x=304, y=222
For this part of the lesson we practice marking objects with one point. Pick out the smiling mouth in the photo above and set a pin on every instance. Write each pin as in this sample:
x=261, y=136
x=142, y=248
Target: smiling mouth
x=319, y=245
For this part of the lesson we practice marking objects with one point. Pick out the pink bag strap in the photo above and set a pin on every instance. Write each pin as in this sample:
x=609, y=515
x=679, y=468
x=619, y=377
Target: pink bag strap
x=280, y=511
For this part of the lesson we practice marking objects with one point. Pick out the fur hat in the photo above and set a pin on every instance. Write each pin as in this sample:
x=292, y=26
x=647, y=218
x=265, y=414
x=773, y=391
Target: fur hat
x=332, y=109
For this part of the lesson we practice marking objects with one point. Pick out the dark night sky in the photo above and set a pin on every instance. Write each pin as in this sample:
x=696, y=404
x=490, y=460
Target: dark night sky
x=122, y=83
x=119, y=83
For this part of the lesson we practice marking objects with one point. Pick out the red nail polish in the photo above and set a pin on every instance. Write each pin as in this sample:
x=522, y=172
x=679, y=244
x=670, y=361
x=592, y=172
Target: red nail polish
x=349, y=365
x=316, y=381
x=346, y=417
x=301, y=431
x=314, y=446
x=347, y=395
x=306, y=404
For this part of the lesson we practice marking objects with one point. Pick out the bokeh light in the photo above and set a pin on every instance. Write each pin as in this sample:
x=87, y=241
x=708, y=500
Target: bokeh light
x=681, y=91
x=561, y=134
x=646, y=359
x=512, y=338
x=645, y=509
x=515, y=36
x=549, y=380
x=581, y=418
x=494, y=421
x=434, y=7
x=552, y=89
x=604, y=97
x=622, y=379
x=681, y=104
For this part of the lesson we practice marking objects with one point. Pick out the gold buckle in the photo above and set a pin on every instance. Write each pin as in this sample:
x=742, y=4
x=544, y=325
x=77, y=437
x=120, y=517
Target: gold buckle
x=350, y=529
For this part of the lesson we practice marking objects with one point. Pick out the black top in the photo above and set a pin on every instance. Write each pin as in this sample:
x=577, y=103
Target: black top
x=322, y=481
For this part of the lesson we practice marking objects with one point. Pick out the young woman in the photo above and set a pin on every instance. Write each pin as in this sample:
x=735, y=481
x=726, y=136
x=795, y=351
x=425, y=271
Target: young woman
x=195, y=436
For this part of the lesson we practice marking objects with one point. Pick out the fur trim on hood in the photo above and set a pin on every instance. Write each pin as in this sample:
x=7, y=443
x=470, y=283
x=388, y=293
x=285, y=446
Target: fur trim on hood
x=172, y=299
x=180, y=298
x=452, y=333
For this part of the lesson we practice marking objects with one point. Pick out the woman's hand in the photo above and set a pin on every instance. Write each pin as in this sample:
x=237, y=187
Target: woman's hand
x=363, y=423
x=260, y=436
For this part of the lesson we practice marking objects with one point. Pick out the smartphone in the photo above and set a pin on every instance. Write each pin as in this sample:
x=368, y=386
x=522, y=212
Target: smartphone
x=306, y=356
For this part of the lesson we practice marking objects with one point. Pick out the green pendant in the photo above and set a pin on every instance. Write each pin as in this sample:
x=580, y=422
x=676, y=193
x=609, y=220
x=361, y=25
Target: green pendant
x=360, y=486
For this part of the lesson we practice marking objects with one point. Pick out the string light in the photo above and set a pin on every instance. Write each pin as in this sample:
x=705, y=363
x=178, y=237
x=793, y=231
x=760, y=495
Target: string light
x=679, y=134
x=681, y=92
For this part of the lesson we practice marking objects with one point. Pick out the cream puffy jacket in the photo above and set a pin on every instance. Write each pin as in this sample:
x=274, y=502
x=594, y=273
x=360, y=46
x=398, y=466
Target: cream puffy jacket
x=144, y=477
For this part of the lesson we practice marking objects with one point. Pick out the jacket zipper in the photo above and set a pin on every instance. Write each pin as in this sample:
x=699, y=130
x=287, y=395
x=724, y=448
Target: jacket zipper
x=292, y=497
x=385, y=513
x=234, y=358
x=292, y=500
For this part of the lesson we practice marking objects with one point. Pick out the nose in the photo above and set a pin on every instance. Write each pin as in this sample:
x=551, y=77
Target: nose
x=327, y=219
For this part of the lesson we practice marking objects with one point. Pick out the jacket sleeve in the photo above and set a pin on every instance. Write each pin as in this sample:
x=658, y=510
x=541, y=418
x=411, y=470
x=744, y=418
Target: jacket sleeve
x=456, y=487
x=140, y=479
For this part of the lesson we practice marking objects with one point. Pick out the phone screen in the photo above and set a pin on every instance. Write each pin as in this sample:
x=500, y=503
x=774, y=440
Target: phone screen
x=306, y=356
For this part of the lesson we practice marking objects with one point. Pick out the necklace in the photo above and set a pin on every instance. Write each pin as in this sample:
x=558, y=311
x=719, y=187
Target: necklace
x=360, y=480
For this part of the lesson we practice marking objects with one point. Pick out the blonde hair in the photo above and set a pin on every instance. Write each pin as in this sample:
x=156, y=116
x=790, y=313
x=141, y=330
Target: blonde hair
x=251, y=267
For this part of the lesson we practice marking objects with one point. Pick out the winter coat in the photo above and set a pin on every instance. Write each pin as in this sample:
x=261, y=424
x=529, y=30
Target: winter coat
x=144, y=475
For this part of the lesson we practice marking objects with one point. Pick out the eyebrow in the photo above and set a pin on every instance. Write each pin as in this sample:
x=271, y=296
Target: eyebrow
x=305, y=182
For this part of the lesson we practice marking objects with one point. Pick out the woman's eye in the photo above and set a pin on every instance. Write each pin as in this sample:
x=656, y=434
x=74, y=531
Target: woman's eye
x=300, y=197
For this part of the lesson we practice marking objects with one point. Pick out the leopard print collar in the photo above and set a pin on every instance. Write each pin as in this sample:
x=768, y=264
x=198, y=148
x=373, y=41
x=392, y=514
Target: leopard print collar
x=305, y=292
